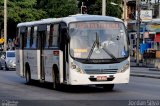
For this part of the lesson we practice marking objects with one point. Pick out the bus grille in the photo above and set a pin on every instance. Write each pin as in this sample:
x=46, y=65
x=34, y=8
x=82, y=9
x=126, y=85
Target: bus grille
x=101, y=71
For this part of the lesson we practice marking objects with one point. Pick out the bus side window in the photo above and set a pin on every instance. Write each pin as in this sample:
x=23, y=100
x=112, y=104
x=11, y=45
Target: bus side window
x=41, y=36
x=44, y=38
x=31, y=37
x=23, y=40
x=23, y=37
x=27, y=37
x=53, y=35
x=38, y=40
x=34, y=38
x=17, y=41
x=47, y=34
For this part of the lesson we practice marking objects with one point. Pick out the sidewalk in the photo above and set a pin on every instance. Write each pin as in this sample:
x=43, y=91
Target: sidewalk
x=141, y=71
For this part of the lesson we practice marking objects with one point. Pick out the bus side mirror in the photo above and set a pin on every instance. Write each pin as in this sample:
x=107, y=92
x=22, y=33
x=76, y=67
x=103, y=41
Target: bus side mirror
x=65, y=33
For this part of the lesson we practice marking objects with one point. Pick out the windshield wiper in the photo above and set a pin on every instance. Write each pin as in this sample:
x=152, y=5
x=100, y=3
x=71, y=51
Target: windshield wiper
x=96, y=42
x=110, y=54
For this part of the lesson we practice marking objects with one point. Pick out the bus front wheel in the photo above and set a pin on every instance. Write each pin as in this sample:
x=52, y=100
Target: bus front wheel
x=108, y=87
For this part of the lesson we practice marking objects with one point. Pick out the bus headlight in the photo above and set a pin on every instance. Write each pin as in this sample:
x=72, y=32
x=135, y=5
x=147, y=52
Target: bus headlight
x=76, y=68
x=124, y=68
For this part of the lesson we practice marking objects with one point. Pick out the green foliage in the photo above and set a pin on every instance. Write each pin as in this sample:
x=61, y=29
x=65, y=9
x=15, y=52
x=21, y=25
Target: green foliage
x=113, y=10
x=29, y=10
x=95, y=7
x=58, y=8
x=21, y=10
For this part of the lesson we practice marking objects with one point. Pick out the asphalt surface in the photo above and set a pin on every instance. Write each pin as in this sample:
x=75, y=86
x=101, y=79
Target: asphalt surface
x=14, y=90
x=143, y=71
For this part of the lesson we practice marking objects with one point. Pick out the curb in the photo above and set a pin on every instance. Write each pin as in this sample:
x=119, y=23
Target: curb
x=150, y=69
x=144, y=75
x=138, y=66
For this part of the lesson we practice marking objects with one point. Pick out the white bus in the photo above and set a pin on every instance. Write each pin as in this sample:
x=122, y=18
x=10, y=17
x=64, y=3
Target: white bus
x=74, y=50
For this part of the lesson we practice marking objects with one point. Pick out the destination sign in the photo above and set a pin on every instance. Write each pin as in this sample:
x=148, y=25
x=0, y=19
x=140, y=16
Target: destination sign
x=97, y=25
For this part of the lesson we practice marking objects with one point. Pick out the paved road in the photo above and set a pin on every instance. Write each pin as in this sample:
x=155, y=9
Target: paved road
x=12, y=87
x=145, y=72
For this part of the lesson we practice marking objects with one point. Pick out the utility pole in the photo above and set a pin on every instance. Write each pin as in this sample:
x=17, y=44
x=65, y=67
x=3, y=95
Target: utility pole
x=158, y=9
x=125, y=11
x=5, y=25
x=103, y=7
x=138, y=8
x=148, y=3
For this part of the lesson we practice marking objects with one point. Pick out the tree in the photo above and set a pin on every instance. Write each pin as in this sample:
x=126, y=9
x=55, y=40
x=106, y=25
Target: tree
x=22, y=10
x=95, y=7
x=19, y=11
x=58, y=8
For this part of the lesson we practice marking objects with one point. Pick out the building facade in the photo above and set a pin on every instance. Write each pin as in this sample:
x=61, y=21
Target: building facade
x=153, y=5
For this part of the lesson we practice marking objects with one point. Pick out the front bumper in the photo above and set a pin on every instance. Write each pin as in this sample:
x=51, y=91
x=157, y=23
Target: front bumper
x=76, y=78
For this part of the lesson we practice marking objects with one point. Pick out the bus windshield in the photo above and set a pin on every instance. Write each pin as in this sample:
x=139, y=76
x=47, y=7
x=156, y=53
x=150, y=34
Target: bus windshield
x=98, y=40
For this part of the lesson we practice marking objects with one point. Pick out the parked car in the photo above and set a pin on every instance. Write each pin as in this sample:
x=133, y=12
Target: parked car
x=8, y=60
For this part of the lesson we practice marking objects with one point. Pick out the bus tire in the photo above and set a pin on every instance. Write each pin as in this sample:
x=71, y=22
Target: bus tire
x=56, y=82
x=28, y=75
x=108, y=87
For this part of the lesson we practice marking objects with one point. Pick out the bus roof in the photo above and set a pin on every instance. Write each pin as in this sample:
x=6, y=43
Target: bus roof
x=71, y=18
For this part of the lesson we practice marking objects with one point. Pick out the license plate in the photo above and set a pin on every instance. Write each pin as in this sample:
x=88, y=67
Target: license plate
x=101, y=78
